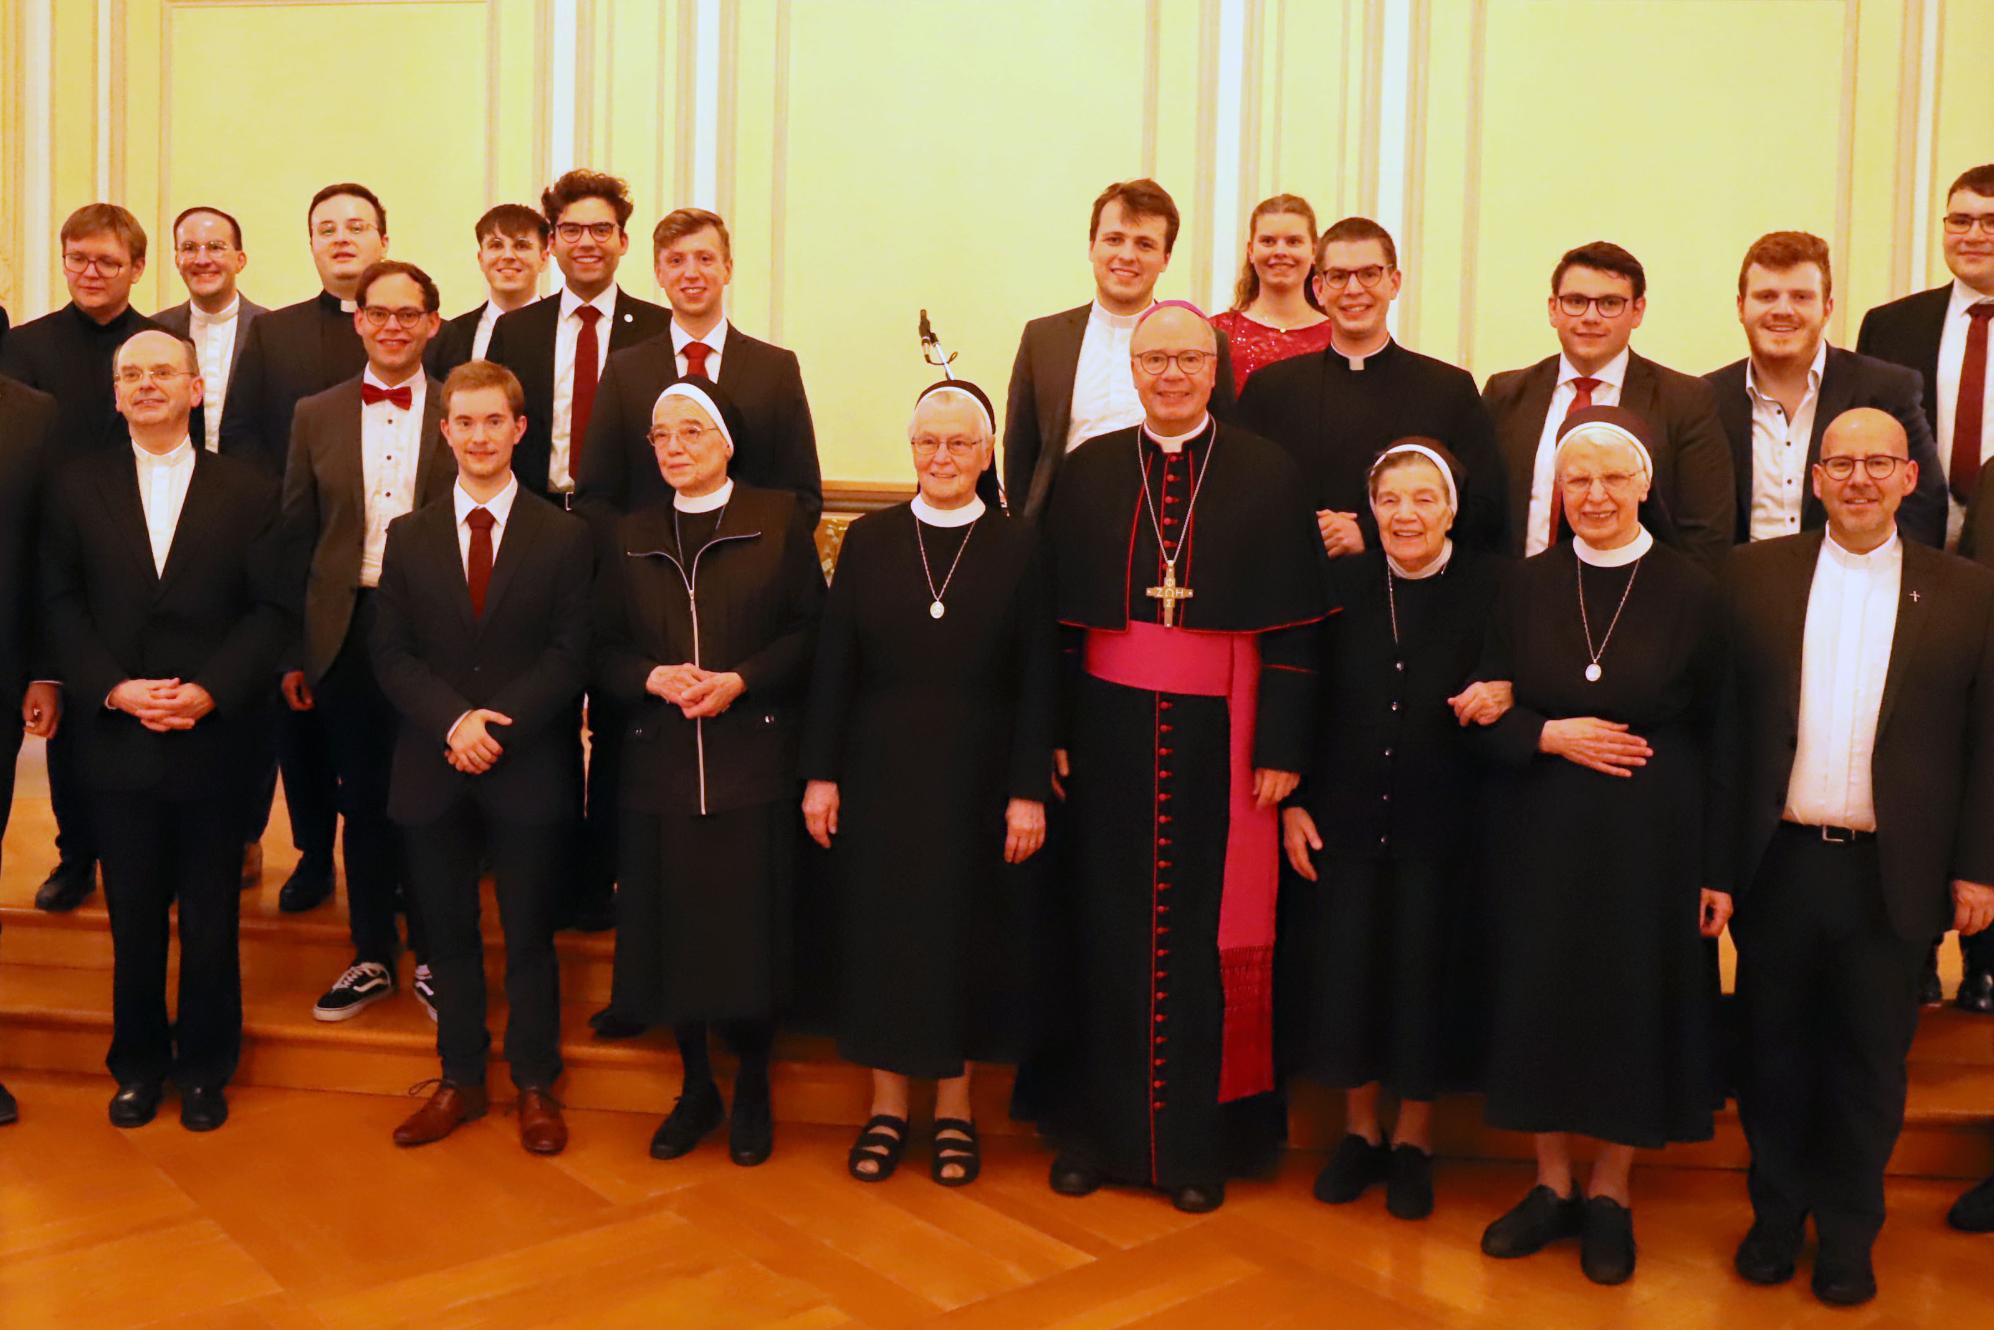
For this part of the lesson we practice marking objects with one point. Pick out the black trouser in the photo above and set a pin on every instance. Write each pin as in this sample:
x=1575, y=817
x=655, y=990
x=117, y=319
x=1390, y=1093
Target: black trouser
x=359, y=725
x=1830, y=996
x=294, y=742
x=443, y=860
x=1976, y=953
x=157, y=853
x=70, y=799
x=597, y=830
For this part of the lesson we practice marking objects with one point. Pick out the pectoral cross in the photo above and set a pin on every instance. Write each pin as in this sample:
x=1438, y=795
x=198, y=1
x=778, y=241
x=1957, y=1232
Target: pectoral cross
x=1170, y=593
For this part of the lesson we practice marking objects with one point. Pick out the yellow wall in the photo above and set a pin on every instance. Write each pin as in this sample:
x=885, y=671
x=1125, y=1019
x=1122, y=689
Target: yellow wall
x=880, y=156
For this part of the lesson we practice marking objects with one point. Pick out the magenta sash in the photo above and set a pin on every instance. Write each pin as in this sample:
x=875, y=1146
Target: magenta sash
x=1177, y=660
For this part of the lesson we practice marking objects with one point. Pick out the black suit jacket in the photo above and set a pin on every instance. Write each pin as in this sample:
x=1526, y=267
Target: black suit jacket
x=1039, y=408
x=1848, y=381
x=776, y=447
x=1691, y=504
x=523, y=341
x=27, y=421
x=1933, y=765
x=453, y=345
x=526, y=656
x=179, y=320
x=219, y=616
x=1906, y=332
x=290, y=354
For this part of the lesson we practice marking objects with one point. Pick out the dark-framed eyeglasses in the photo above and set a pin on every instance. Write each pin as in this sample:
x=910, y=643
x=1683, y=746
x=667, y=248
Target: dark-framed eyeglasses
x=1961, y=223
x=1154, y=363
x=408, y=320
x=1367, y=277
x=1609, y=307
x=81, y=263
x=602, y=232
x=1877, y=466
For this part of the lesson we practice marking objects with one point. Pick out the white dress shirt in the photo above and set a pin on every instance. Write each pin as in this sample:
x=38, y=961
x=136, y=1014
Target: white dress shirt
x=567, y=333
x=1952, y=358
x=1104, y=397
x=390, y=448
x=482, y=338
x=213, y=336
x=715, y=341
x=162, y=490
x=1779, y=452
x=1851, y=624
x=1612, y=377
x=500, y=508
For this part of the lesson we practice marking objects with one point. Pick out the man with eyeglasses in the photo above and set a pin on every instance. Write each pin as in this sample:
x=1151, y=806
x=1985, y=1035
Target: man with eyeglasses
x=286, y=356
x=1335, y=411
x=1853, y=771
x=68, y=354
x=1776, y=403
x=215, y=317
x=363, y=453
x=557, y=347
x=166, y=608
x=1599, y=294
x=512, y=253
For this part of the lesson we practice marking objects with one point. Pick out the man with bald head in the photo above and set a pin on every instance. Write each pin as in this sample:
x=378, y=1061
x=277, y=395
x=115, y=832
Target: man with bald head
x=165, y=611
x=1189, y=582
x=1855, y=769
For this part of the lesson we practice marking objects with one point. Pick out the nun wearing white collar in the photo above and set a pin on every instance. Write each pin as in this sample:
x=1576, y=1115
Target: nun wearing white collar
x=928, y=755
x=1376, y=852
x=1605, y=959
x=707, y=623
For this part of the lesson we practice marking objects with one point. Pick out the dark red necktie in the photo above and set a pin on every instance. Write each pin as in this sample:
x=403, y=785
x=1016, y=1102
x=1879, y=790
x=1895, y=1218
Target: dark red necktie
x=478, y=571
x=583, y=400
x=695, y=360
x=400, y=398
x=1581, y=399
x=1964, y=472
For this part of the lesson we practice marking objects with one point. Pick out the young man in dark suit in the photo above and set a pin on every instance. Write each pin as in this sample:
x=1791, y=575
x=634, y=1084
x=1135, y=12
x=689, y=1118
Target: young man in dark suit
x=512, y=253
x=1071, y=379
x=482, y=644
x=286, y=356
x=362, y=454
x=1854, y=768
x=166, y=610
x=1776, y=403
x=215, y=317
x=1599, y=293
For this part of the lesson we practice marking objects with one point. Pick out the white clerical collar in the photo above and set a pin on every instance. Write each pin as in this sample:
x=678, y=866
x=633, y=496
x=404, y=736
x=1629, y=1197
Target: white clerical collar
x=1101, y=314
x=499, y=506
x=1874, y=561
x=179, y=453
x=347, y=306
x=1964, y=298
x=604, y=301
x=1174, y=443
x=1356, y=363
x=705, y=503
x=1618, y=557
x=1613, y=373
x=198, y=315
x=1433, y=569
x=717, y=339
x=929, y=515
x=1814, y=372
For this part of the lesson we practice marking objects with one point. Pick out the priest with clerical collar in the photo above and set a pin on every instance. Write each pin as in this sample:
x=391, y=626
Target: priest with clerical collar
x=1188, y=582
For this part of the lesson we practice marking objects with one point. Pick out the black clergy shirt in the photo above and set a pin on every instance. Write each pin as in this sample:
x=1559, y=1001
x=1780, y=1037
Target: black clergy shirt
x=68, y=354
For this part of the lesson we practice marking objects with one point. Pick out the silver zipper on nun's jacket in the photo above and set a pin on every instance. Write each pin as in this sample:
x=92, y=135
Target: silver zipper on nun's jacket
x=692, y=602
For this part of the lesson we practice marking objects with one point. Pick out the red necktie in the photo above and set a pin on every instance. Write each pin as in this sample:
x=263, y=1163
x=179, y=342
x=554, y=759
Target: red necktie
x=1964, y=473
x=1581, y=399
x=478, y=571
x=402, y=398
x=583, y=400
x=695, y=360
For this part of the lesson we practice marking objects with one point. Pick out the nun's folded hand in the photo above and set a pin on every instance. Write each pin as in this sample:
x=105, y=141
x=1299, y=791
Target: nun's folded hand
x=670, y=681
x=1270, y=787
x=1298, y=837
x=1340, y=533
x=820, y=810
x=1024, y=829
x=710, y=695
x=1604, y=746
x=1483, y=702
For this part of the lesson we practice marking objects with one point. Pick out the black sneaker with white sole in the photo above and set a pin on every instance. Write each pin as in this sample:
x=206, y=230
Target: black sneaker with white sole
x=424, y=988
x=360, y=987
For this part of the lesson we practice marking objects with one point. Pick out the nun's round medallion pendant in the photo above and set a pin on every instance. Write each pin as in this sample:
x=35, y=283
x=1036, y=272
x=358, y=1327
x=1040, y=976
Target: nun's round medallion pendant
x=1592, y=672
x=936, y=611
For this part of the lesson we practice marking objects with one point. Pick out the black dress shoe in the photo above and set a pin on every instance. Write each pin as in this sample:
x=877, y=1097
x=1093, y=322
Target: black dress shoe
x=1199, y=1198
x=1409, y=1189
x=696, y=1113
x=1353, y=1168
x=308, y=887
x=1768, y=1253
x=1606, y=1245
x=67, y=886
x=1073, y=1178
x=1930, y=991
x=135, y=1103
x=751, y=1125
x=608, y=1025
x=203, y=1108
x=1534, y=1223
x=1976, y=992
x=1844, y=1279
x=1974, y=1212
x=10, y=1112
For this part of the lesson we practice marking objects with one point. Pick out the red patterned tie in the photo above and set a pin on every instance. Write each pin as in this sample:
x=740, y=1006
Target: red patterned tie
x=478, y=572
x=583, y=401
x=402, y=398
x=1581, y=399
x=1964, y=473
x=695, y=360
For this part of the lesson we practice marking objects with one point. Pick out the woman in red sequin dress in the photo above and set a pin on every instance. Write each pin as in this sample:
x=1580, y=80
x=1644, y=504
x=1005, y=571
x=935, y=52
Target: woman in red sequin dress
x=1274, y=313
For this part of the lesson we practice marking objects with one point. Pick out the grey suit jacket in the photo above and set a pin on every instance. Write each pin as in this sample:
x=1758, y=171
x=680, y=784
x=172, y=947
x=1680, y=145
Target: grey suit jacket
x=179, y=320
x=325, y=508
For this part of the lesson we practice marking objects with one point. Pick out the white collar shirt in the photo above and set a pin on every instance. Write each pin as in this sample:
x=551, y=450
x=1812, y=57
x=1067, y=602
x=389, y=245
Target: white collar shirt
x=1845, y=656
x=213, y=336
x=390, y=448
x=715, y=341
x=1104, y=397
x=1612, y=377
x=163, y=479
x=499, y=507
x=567, y=335
x=1945, y=383
x=487, y=320
x=1780, y=445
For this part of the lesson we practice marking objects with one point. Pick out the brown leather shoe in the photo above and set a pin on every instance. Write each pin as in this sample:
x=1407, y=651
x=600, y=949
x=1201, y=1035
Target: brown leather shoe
x=449, y=1108
x=541, y=1129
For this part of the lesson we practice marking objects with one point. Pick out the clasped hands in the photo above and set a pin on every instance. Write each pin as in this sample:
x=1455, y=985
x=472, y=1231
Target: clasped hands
x=1483, y=702
x=161, y=705
x=470, y=747
x=697, y=693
